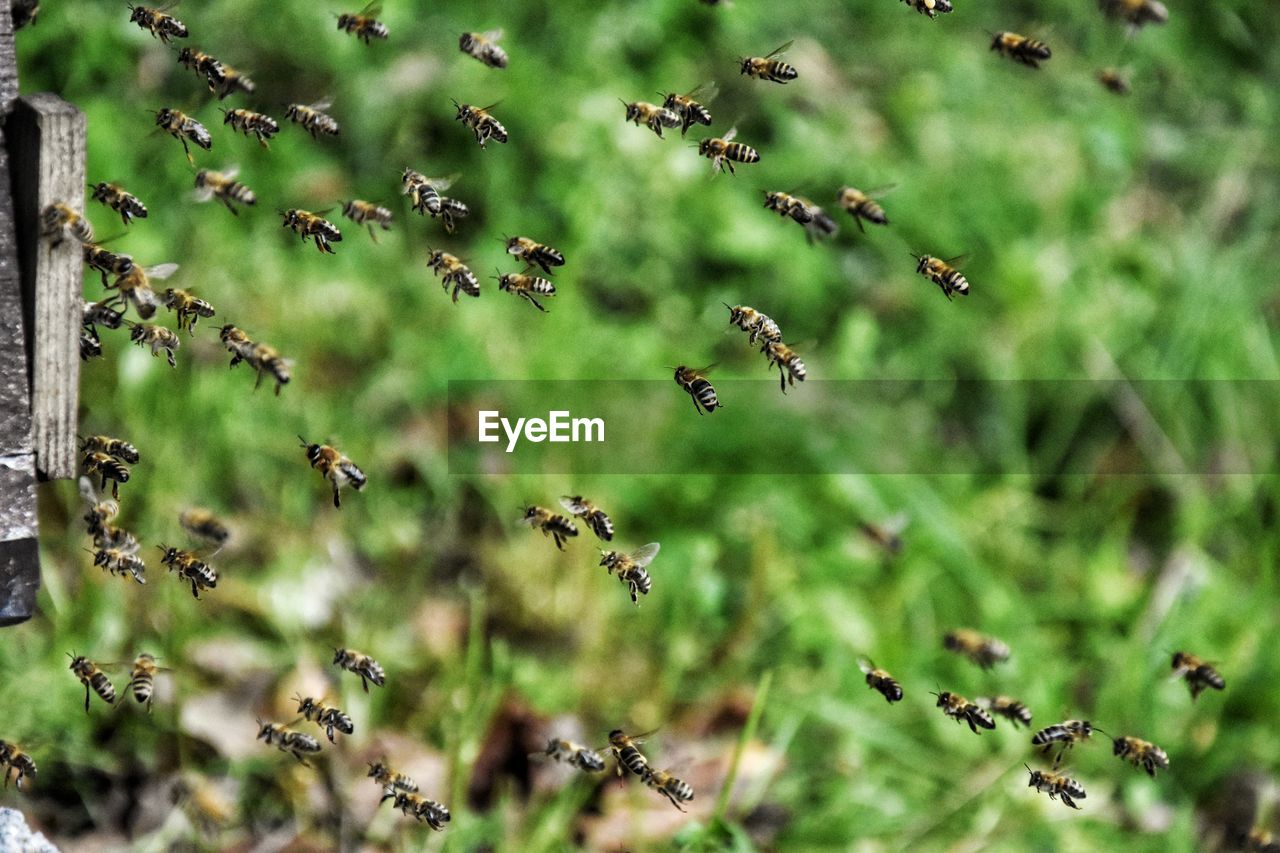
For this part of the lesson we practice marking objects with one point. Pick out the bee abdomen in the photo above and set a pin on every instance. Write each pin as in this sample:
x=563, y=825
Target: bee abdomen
x=103, y=687
x=705, y=394
x=631, y=758
x=741, y=153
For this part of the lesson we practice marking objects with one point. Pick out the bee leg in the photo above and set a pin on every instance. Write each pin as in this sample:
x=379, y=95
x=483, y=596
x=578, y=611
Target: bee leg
x=86, y=697
x=782, y=379
x=536, y=303
x=195, y=592
x=364, y=683
x=337, y=504
x=696, y=407
x=858, y=219
x=173, y=362
x=372, y=235
x=673, y=800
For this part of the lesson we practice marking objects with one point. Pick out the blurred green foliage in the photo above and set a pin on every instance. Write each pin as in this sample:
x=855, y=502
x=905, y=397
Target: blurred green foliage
x=1108, y=238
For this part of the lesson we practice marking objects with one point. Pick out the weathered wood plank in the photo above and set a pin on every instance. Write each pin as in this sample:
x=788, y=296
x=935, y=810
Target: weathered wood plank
x=8, y=63
x=46, y=137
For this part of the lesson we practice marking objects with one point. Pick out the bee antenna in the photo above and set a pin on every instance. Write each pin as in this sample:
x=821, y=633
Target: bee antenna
x=305, y=443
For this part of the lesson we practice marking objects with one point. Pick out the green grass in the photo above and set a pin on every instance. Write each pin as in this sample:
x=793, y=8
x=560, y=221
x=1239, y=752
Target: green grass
x=1108, y=239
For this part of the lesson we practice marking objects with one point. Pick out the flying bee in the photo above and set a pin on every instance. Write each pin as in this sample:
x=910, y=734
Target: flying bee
x=878, y=679
x=385, y=776
x=237, y=343
x=234, y=80
x=90, y=344
x=313, y=118
x=481, y=122
x=17, y=762
x=142, y=681
x=525, y=286
x=695, y=382
x=886, y=534
x=268, y=362
x=120, y=449
x=190, y=568
x=134, y=288
x=817, y=224
x=1114, y=81
x=456, y=273
x=124, y=203
x=1011, y=709
x=367, y=213
x=632, y=568
x=107, y=467
x=1066, y=734
x=157, y=337
x=690, y=111
x=335, y=467
x=204, y=64
x=675, y=790
x=961, y=709
x=1056, y=785
x=651, y=116
x=1136, y=13
x=769, y=68
x=723, y=151
x=626, y=752
x=59, y=221
x=575, y=755
x=534, y=253
x=160, y=24
x=202, y=525
x=122, y=559
x=249, y=122
x=482, y=46
x=418, y=807
x=932, y=8
x=92, y=678
x=1141, y=753
x=306, y=224
x=861, y=206
x=423, y=192
x=757, y=326
x=790, y=367
x=1020, y=48
x=985, y=651
x=106, y=263
x=100, y=511
x=287, y=740
x=324, y=716
x=592, y=515
x=450, y=210
x=362, y=665
x=943, y=274
x=188, y=308
x=184, y=128
x=1198, y=674
x=96, y=314
x=363, y=25
x=551, y=524
x=225, y=188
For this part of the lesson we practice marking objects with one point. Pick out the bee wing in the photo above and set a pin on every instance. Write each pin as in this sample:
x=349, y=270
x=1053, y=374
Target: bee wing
x=865, y=665
x=202, y=194
x=728, y=137
x=491, y=106
x=896, y=523
x=706, y=91
x=780, y=49
x=442, y=184
x=956, y=261
x=321, y=105
x=881, y=190
x=575, y=507
x=161, y=271
x=230, y=172
x=371, y=9
x=644, y=555
x=88, y=491
x=492, y=35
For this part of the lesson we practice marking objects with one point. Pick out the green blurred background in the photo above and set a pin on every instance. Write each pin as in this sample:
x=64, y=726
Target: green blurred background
x=1108, y=238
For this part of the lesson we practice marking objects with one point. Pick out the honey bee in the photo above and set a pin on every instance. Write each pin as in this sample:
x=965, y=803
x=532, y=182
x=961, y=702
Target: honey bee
x=525, y=286
x=122, y=558
x=626, y=752
x=592, y=515
x=237, y=343
x=423, y=192
x=695, y=382
x=817, y=224
x=202, y=525
x=313, y=118
x=482, y=46
x=790, y=367
x=985, y=651
x=225, y=188
x=59, y=221
x=632, y=568
x=386, y=777
x=861, y=206
x=249, y=122
x=418, y=807
x=932, y=8
x=551, y=524
x=234, y=80
x=97, y=517
x=142, y=681
x=106, y=263
x=90, y=344
x=157, y=337
x=1141, y=753
x=160, y=24
x=1011, y=709
x=943, y=274
x=363, y=25
x=768, y=68
x=15, y=762
x=367, y=213
x=122, y=450
x=190, y=568
x=268, y=362
x=1067, y=734
x=887, y=534
x=1136, y=13
x=723, y=152
x=757, y=326
x=124, y=203
x=878, y=679
x=1056, y=785
x=335, y=467
x=134, y=288
x=575, y=755
x=675, y=790
x=1114, y=81
x=1198, y=674
x=287, y=740
x=107, y=467
x=1020, y=48
x=961, y=709
x=481, y=122
x=96, y=314
x=651, y=116
x=24, y=12
x=92, y=678
x=534, y=253
x=205, y=65
x=306, y=224
x=325, y=716
x=456, y=273
x=188, y=308
x=362, y=665
x=690, y=111
x=184, y=128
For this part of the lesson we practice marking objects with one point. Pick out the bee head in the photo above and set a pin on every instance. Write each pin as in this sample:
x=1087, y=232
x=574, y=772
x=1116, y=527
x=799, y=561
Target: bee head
x=746, y=64
x=504, y=280
x=338, y=654
x=608, y=558
x=376, y=768
x=1034, y=774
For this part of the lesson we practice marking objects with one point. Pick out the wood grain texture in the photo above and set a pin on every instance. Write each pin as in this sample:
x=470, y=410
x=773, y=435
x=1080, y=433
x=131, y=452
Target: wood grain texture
x=8, y=63
x=46, y=138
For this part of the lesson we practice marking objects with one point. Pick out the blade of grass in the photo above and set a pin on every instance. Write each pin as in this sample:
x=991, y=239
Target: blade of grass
x=748, y=733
